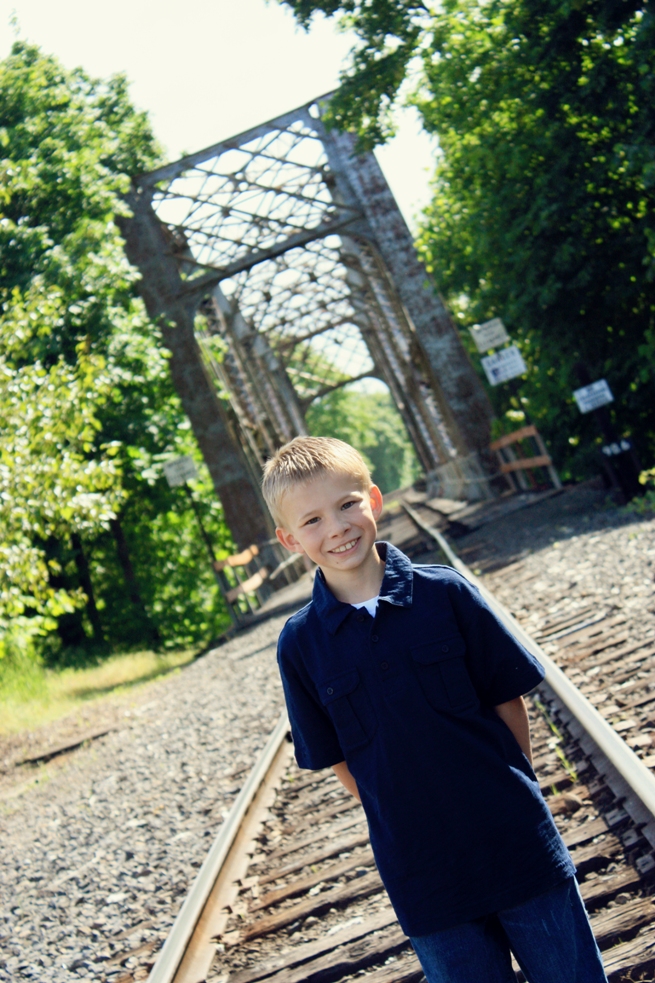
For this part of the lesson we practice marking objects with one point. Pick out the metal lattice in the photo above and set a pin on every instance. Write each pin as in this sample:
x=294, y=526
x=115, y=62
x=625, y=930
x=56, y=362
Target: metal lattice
x=286, y=259
x=301, y=302
x=250, y=199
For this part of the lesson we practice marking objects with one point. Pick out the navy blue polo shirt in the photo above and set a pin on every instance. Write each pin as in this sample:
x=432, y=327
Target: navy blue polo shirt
x=458, y=826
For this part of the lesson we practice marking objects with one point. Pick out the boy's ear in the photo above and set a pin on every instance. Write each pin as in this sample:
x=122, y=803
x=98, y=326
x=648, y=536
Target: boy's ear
x=377, y=503
x=288, y=540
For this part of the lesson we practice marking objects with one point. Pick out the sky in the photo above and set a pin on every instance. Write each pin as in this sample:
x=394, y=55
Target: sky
x=207, y=69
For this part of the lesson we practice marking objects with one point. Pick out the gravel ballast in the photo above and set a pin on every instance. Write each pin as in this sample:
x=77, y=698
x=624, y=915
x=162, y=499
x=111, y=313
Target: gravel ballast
x=99, y=853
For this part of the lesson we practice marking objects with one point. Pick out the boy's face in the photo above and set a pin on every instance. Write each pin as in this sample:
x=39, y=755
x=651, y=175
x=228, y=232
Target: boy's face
x=332, y=519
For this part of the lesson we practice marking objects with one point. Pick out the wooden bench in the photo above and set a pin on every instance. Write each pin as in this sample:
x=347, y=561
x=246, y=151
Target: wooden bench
x=242, y=560
x=253, y=582
x=243, y=587
x=248, y=586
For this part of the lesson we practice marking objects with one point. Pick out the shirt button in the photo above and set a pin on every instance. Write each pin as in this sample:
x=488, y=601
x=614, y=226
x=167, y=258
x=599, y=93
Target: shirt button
x=330, y=691
x=375, y=638
x=445, y=648
x=384, y=665
x=360, y=617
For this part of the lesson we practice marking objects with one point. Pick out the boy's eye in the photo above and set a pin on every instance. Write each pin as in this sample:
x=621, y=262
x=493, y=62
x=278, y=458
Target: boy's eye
x=310, y=522
x=346, y=505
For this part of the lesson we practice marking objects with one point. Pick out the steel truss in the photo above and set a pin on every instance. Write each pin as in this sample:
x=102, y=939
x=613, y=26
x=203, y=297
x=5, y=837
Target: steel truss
x=291, y=252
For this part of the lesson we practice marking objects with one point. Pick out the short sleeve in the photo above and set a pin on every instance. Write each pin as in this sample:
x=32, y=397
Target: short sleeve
x=500, y=667
x=315, y=740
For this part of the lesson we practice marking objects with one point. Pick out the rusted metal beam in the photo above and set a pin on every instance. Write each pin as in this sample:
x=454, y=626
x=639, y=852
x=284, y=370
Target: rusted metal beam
x=267, y=374
x=390, y=339
x=326, y=390
x=253, y=257
x=168, y=171
x=162, y=289
x=321, y=286
x=462, y=399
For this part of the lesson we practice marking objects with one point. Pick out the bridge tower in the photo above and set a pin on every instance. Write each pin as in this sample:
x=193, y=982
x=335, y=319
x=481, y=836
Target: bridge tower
x=279, y=268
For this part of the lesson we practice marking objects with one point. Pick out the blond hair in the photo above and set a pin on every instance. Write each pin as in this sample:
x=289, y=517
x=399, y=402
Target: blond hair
x=304, y=458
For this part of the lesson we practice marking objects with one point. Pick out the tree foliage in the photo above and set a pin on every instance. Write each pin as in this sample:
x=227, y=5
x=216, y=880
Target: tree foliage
x=544, y=185
x=87, y=410
x=543, y=208
x=390, y=34
x=49, y=480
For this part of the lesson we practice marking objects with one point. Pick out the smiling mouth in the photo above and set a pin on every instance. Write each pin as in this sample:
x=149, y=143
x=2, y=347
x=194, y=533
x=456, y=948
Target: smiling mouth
x=346, y=547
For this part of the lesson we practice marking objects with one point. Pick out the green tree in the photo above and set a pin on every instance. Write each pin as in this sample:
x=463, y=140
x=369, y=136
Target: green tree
x=371, y=423
x=82, y=369
x=48, y=420
x=391, y=33
x=544, y=186
x=543, y=208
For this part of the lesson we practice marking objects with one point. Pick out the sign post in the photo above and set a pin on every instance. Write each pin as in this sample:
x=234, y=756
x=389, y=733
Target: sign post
x=491, y=334
x=177, y=473
x=506, y=365
x=620, y=460
x=180, y=470
x=591, y=397
x=503, y=365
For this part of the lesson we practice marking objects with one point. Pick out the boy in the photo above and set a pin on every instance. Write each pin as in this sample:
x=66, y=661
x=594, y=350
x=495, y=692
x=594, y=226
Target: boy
x=404, y=682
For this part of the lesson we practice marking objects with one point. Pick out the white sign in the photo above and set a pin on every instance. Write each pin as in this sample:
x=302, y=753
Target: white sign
x=180, y=470
x=491, y=334
x=504, y=365
x=591, y=397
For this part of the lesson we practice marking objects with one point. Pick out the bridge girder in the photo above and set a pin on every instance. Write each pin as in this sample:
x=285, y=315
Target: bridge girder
x=291, y=247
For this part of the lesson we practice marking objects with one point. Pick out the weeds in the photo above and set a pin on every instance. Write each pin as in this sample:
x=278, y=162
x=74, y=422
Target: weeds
x=566, y=764
x=32, y=694
x=644, y=505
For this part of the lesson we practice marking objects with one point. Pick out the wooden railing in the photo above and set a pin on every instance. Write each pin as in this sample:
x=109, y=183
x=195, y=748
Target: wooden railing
x=516, y=465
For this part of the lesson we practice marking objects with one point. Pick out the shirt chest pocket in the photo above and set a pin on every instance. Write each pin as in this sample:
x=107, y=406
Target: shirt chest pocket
x=443, y=675
x=350, y=708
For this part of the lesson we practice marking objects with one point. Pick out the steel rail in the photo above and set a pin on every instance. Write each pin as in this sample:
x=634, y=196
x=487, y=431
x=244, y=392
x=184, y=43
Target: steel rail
x=611, y=746
x=177, y=942
x=631, y=769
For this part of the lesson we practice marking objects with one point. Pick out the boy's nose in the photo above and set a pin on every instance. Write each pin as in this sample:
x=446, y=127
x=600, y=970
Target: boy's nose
x=339, y=524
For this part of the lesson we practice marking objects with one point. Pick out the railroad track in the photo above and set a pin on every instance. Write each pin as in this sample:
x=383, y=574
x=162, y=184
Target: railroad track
x=290, y=894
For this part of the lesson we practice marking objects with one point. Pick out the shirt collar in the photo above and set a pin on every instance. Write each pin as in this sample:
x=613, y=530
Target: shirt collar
x=396, y=588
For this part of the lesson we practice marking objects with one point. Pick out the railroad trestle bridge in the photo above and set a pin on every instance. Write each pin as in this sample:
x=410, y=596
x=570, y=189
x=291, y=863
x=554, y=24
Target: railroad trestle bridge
x=279, y=268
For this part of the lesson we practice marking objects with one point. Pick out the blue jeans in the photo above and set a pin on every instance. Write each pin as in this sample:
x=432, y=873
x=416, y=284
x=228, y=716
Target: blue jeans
x=550, y=937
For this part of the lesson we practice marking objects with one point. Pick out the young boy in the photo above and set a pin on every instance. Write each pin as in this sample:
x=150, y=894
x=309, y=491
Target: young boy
x=401, y=679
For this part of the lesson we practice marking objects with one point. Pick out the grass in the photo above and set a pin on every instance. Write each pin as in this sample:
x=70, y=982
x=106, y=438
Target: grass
x=31, y=695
